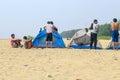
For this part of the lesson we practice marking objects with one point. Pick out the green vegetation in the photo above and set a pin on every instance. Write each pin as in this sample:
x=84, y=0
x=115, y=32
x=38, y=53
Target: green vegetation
x=104, y=37
x=30, y=37
x=69, y=34
x=104, y=32
x=49, y=76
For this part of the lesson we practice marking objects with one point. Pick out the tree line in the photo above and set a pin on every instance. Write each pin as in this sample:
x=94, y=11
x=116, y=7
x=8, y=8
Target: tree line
x=104, y=30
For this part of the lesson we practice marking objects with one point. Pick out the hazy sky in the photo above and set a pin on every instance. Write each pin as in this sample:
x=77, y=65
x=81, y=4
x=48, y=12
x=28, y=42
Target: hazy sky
x=25, y=17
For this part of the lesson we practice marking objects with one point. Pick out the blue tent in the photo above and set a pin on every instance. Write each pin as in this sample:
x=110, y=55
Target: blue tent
x=40, y=40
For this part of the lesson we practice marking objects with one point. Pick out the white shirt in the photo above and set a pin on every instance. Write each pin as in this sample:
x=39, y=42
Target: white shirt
x=95, y=27
x=48, y=28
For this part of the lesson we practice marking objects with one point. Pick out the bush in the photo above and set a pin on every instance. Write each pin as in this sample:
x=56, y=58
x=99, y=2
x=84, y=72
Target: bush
x=30, y=37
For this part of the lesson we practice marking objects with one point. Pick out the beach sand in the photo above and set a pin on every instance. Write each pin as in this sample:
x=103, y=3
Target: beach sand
x=58, y=64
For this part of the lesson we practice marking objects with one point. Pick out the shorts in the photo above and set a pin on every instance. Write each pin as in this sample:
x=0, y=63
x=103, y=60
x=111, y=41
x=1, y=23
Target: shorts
x=115, y=35
x=49, y=37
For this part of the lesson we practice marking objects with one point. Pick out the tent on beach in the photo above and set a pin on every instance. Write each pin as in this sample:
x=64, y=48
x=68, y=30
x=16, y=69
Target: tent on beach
x=81, y=40
x=40, y=40
x=110, y=46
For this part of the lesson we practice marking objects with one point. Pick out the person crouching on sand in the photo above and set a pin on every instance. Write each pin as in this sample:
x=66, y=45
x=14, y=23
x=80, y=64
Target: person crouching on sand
x=27, y=42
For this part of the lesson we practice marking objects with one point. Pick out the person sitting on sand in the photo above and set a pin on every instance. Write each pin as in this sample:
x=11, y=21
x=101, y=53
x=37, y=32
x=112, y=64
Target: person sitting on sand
x=27, y=42
x=15, y=43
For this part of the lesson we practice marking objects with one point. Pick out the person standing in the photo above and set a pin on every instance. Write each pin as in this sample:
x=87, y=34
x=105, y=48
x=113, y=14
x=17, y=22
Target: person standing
x=55, y=30
x=115, y=33
x=49, y=29
x=40, y=30
x=94, y=31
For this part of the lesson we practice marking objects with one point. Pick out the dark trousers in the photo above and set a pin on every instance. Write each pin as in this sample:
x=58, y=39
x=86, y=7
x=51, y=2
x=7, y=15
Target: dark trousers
x=93, y=39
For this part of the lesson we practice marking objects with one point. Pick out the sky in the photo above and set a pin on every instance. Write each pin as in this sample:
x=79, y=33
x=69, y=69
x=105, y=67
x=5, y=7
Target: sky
x=26, y=17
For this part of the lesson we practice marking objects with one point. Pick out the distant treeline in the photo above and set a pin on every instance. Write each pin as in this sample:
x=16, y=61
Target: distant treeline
x=69, y=33
x=104, y=30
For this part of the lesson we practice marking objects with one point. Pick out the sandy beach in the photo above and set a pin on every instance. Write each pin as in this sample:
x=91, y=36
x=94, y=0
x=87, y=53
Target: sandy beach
x=58, y=64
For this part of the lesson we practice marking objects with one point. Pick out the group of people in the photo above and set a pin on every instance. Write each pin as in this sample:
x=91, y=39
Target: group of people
x=115, y=33
x=51, y=28
x=15, y=43
x=27, y=43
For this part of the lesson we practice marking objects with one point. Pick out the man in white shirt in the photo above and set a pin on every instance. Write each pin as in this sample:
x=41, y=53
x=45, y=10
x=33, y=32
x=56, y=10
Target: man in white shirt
x=94, y=31
x=49, y=30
